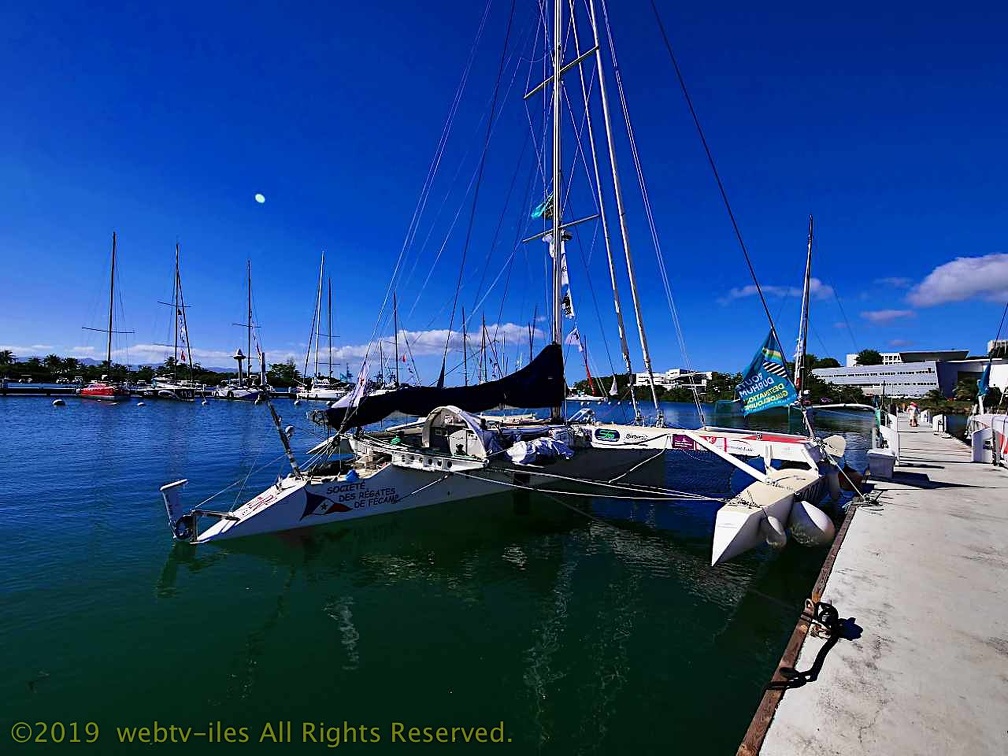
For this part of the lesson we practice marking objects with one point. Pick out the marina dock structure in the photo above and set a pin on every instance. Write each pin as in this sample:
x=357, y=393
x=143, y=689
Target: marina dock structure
x=920, y=584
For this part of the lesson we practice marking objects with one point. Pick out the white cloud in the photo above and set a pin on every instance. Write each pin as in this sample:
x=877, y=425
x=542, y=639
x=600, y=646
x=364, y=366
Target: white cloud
x=898, y=282
x=817, y=290
x=900, y=343
x=432, y=342
x=33, y=350
x=964, y=278
x=886, y=316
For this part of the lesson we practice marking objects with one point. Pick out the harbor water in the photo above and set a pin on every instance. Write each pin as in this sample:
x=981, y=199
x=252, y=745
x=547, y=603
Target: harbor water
x=595, y=627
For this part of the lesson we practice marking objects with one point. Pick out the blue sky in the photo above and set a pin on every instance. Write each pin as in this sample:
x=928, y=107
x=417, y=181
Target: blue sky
x=885, y=121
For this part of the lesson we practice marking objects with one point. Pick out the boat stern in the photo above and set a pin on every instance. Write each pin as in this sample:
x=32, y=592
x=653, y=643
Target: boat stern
x=179, y=521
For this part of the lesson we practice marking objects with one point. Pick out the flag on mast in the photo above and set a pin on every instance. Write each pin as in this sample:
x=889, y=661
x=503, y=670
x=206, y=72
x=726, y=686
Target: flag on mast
x=766, y=383
x=573, y=339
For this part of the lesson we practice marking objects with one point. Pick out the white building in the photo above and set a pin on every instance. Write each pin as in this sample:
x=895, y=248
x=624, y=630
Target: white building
x=898, y=358
x=676, y=377
x=917, y=373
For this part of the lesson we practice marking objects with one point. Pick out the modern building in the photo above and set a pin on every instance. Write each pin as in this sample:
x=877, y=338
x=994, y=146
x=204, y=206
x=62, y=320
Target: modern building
x=917, y=373
x=898, y=358
x=676, y=377
x=997, y=344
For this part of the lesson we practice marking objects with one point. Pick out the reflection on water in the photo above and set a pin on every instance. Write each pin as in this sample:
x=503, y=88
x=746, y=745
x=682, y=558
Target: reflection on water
x=606, y=634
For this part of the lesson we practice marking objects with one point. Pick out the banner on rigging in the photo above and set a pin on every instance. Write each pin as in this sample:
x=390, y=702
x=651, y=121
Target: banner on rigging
x=766, y=383
x=983, y=385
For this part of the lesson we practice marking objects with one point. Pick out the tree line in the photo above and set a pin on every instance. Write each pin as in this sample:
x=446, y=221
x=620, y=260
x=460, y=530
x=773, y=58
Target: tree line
x=721, y=387
x=52, y=368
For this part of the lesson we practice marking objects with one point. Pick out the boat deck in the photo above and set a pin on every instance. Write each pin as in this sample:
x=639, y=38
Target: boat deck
x=923, y=580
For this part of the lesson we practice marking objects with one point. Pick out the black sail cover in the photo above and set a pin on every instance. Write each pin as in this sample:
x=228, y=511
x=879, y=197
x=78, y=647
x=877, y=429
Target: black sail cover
x=538, y=384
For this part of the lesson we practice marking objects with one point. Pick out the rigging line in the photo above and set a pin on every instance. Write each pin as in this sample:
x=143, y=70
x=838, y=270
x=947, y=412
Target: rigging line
x=442, y=144
x=591, y=290
x=649, y=214
x=713, y=167
x=474, y=180
x=503, y=214
x=516, y=245
x=600, y=204
x=432, y=171
x=1001, y=324
x=850, y=331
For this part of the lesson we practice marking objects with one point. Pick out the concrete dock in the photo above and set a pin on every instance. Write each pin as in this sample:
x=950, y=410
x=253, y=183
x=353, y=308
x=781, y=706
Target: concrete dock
x=922, y=579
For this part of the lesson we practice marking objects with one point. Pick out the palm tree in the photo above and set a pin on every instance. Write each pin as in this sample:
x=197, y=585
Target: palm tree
x=7, y=357
x=53, y=363
x=934, y=395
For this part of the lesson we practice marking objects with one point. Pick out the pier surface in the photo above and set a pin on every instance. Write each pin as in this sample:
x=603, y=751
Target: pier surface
x=924, y=576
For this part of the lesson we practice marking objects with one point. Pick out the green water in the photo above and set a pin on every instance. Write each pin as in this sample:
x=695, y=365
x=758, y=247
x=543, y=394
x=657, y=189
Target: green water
x=580, y=636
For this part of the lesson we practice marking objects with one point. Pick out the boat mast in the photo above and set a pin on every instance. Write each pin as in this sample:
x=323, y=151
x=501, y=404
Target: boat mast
x=175, y=314
x=111, y=305
x=803, y=322
x=483, y=351
x=465, y=352
x=181, y=311
x=621, y=213
x=556, y=241
x=620, y=327
x=318, y=308
x=330, y=329
x=248, y=373
x=395, y=328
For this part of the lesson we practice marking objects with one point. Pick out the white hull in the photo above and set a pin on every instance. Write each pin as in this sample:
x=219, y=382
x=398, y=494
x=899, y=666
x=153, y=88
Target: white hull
x=738, y=443
x=413, y=479
x=321, y=395
x=743, y=523
x=243, y=394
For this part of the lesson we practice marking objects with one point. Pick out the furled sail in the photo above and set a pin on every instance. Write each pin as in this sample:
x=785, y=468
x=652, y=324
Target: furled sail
x=538, y=384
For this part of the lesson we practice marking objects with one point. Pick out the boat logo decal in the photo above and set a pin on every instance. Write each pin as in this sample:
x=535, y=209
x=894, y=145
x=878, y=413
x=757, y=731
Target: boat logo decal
x=321, y=505
x=606, y=434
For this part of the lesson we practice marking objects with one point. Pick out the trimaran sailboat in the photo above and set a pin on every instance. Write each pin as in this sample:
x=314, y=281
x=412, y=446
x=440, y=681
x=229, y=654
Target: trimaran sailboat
x=452, y=454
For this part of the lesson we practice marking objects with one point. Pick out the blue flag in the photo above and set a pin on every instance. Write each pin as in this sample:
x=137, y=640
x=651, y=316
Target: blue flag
x=766, y=383
x=544, y=209
x=984, y=383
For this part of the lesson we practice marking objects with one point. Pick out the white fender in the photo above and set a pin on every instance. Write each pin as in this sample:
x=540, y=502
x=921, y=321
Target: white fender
x=773, y=531
x=809, y=525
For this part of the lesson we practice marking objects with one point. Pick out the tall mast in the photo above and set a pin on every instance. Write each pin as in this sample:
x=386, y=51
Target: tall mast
x=395, y=328
x=556, y=241
x=803, y=322
x=318, y=308
x=621, y=212
x=111, y=306
x=248, y=373
x=175, y=314
x=181, y=312
x=483, y=342
x=465, y=351
x=620, y=327
x=330, y=329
